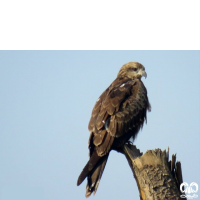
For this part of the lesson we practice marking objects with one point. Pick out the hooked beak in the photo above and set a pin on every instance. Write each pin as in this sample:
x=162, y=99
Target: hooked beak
x=143, y=73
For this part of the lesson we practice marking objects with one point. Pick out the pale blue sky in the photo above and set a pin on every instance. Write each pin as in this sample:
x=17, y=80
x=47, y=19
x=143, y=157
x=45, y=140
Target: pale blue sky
x=45, y=106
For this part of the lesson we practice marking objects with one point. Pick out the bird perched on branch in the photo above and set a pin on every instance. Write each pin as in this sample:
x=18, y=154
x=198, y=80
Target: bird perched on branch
x=117, y=116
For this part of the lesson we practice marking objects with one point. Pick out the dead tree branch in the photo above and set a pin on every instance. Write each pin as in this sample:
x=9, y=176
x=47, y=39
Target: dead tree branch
x=156, y=176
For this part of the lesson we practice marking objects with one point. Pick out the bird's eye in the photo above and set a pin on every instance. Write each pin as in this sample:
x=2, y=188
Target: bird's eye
x=134, y=69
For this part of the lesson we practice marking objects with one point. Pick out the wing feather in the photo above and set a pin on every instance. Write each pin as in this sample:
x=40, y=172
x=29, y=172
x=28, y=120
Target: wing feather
x=118, y=110
x=99, y=137
x=105, y=146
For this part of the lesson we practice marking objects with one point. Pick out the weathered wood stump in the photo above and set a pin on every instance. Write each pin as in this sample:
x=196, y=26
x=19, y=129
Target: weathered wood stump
x=157, y=178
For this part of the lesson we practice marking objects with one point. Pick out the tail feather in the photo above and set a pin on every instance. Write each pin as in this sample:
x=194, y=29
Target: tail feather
x=93, y=170
x=95, y=176
x=88, y=167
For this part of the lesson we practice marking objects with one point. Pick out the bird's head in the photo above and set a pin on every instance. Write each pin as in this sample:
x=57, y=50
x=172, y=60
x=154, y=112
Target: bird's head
x=132, y=70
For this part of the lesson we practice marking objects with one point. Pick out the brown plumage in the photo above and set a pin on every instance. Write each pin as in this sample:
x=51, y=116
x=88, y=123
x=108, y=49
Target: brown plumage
x=117, y=116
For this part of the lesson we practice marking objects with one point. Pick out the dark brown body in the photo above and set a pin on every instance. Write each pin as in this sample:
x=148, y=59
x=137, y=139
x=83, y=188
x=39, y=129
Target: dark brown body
x=118, y=115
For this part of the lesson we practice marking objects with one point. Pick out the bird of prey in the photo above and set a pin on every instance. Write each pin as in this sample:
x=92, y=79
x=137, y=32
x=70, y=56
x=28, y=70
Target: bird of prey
x=117, y=116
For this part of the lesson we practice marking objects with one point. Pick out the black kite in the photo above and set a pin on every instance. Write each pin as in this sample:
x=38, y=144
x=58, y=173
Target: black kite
x=117, y=116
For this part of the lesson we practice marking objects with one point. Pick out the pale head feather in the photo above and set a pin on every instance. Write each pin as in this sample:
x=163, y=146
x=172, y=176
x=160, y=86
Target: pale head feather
x=132, y=70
